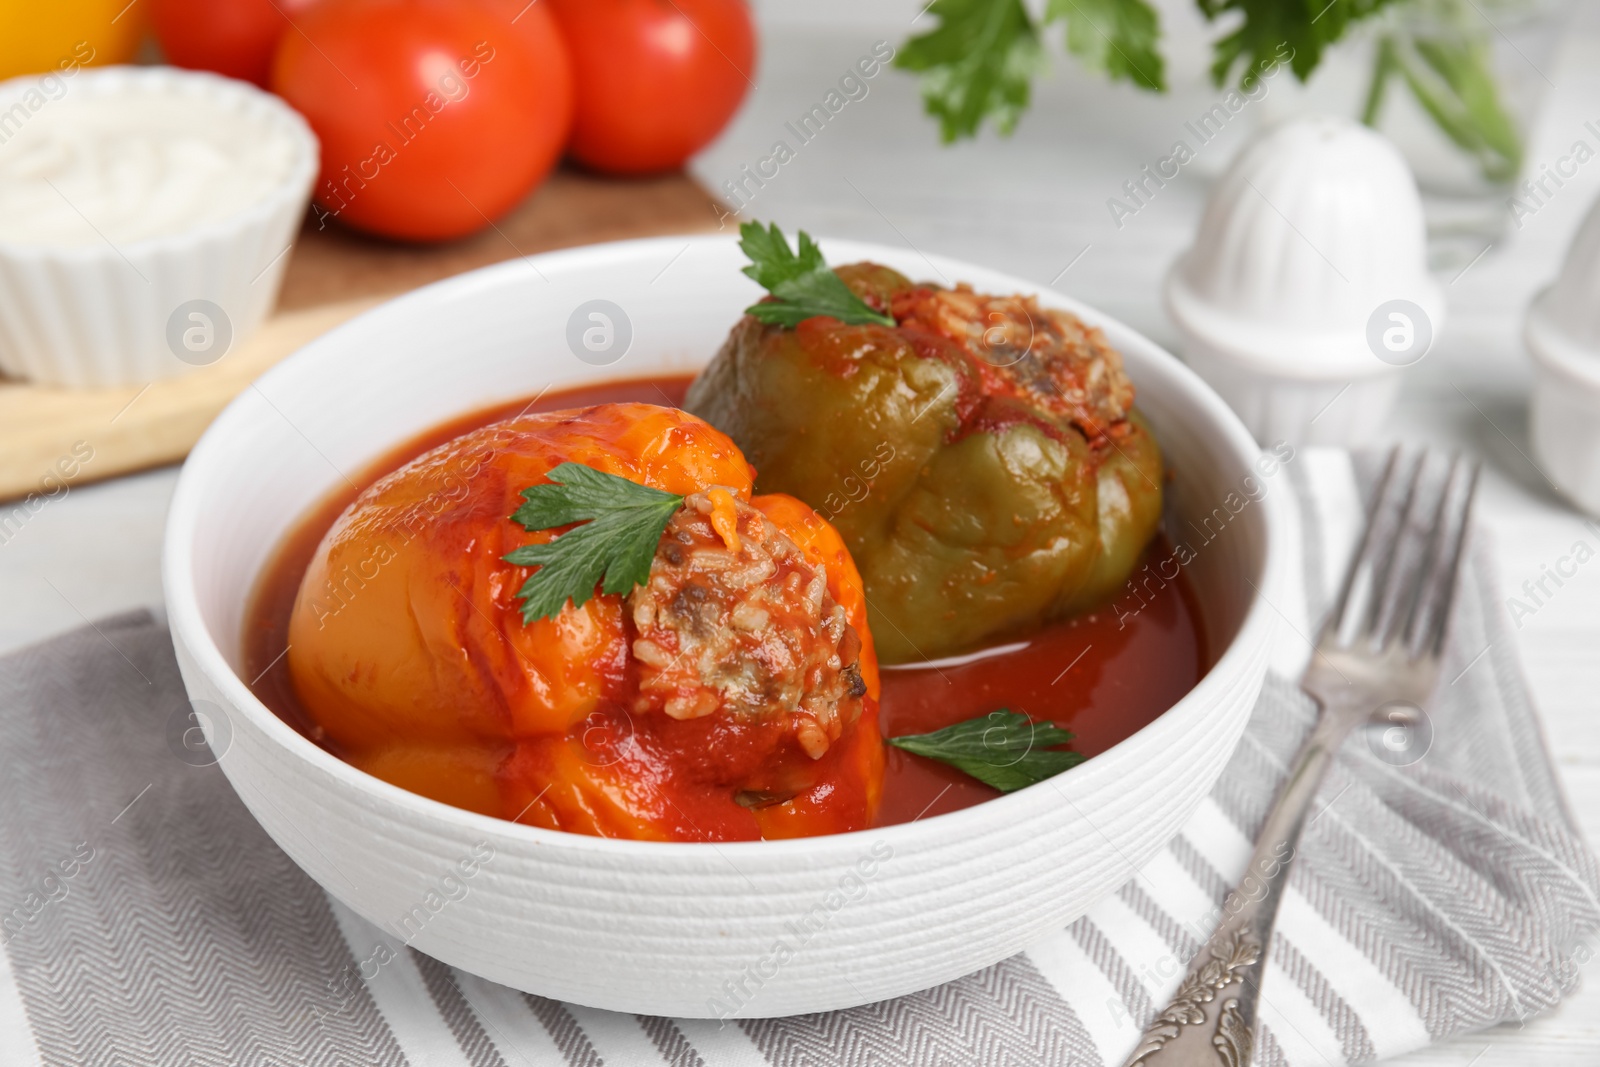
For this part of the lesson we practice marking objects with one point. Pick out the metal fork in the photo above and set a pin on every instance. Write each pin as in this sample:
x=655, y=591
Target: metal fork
x=1377, y=660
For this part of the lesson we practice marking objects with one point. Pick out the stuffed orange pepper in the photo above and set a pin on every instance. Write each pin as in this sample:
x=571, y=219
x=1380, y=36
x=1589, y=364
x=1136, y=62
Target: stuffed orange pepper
x=583, y=620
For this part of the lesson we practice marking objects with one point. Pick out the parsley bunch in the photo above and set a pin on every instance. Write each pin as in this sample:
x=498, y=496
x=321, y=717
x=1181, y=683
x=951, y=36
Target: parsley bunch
x=980, y=61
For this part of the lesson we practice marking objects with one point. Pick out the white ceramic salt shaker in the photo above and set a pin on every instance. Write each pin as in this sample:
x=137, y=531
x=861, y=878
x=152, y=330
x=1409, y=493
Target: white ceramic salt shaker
x=1562, y=331
x=1307, y=286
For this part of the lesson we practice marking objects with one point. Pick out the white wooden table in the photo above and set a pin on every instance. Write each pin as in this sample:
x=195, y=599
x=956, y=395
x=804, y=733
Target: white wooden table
x=1031, y=205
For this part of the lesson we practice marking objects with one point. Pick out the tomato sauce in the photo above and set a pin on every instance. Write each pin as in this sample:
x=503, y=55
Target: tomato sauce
x=1102, y=676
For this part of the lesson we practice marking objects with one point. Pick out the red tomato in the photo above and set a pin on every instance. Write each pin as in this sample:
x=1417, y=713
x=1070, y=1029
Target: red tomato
x=436, y=116
x=656, y=79
x=232, y=37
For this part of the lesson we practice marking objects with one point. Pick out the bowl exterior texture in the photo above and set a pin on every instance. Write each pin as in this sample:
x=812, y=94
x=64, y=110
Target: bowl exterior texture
x=697, y=930
x=98, y=316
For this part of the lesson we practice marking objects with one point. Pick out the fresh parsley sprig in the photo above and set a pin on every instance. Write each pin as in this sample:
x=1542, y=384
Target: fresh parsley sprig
x=622, y=525
x=981, y=59
x=978, y=63
x=803, y=284
x=1004, y=749
x=1265, y=27
x=1117, y=37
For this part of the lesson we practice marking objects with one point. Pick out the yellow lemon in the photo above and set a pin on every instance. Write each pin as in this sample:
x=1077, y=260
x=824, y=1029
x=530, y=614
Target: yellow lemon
x=38, y=36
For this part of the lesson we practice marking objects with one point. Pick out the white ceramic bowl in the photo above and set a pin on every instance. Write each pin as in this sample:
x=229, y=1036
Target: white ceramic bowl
x=1316, y=228
x=102, y=314
x=662, y=928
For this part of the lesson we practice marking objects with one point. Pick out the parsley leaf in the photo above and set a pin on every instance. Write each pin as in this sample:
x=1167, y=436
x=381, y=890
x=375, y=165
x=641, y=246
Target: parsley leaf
x=1116, y=36
x=1004, y=749
x=622, y=524
x=1303, y=28
x=976, y=64
x=803, y=284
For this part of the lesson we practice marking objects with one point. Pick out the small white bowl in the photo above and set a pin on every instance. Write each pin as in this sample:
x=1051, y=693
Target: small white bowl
x=1314, y=234
x=1562, y=332
x=107, y=313
x=663, y=928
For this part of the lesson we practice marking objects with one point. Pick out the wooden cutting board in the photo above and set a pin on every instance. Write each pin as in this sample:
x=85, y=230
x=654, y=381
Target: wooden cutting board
x=332, y=275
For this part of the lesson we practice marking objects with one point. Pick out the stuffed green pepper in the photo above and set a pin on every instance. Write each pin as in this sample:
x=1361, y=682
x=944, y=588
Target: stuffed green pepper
x=980, y=454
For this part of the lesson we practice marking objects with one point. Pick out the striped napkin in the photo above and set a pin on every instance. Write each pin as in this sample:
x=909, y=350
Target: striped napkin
x=146, y=918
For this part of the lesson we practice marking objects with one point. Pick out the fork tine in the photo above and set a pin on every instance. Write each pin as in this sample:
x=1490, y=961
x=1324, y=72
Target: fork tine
x=1420, y=577
x=1390, y=578
x=1368, y=604
x=1427, y=629
x=1338, y=617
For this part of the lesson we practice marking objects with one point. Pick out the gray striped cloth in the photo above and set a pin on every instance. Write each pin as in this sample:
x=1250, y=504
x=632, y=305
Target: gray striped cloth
x=147, y=920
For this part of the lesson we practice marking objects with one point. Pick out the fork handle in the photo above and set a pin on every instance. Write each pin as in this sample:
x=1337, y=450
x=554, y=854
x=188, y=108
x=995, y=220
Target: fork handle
x=1211, y=1020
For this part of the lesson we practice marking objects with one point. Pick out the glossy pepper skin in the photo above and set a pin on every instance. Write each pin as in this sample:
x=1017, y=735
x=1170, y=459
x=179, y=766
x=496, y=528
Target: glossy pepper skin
x=409, y=650
x=981, y=459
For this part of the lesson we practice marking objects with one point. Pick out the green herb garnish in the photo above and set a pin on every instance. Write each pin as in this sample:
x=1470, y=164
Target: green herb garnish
x=803, y=284
x=1266, y=27
x=978, y=63
x=1004, y=749
x=622, y=525
x=1117, y=37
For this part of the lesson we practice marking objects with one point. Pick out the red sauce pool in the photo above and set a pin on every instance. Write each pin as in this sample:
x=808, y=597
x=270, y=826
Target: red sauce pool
x=1100, y=676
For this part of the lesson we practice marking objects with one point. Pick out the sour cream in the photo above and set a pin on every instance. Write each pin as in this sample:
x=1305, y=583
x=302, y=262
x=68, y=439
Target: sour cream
x=81, y=170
